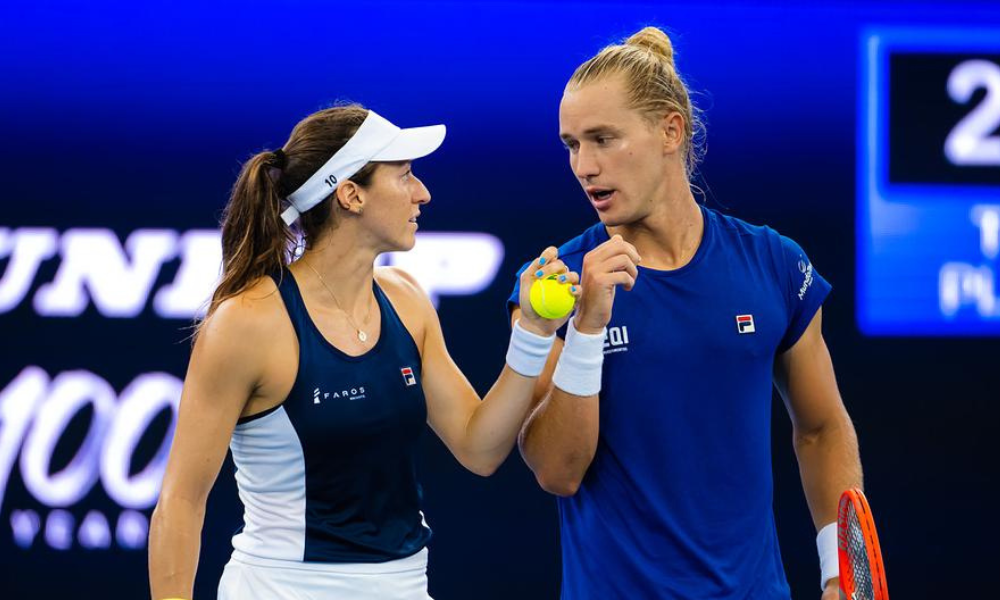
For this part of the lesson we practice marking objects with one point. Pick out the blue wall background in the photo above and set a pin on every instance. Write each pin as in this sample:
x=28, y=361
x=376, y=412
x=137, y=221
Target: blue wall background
x=130, y=116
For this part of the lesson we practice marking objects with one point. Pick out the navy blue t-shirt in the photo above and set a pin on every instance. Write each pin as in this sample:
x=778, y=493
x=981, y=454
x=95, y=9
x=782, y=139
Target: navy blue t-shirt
x=677, y=502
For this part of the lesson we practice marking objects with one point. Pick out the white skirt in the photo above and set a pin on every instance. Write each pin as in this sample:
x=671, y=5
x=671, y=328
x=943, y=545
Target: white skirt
x=251, y=578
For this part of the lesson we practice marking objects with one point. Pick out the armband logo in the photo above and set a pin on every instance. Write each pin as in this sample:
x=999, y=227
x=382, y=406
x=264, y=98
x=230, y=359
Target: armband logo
x=807, y=271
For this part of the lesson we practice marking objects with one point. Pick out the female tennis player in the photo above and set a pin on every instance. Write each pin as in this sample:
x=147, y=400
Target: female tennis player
x=319, y=372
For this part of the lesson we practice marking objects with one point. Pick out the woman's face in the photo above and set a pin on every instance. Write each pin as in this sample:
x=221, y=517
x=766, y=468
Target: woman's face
x=392, y=205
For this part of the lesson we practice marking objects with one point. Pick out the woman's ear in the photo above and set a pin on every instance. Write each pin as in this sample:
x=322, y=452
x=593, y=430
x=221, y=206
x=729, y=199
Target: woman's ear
x=349, y=197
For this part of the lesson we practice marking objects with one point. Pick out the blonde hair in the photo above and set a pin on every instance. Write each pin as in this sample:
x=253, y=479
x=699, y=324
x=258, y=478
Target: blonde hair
x=653, y=85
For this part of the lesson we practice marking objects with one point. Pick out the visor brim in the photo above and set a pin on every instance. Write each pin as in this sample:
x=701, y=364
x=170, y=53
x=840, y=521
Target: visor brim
x=412, y=143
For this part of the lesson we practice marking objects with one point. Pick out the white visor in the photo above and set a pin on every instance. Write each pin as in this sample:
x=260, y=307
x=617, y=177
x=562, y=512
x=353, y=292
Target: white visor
x=377, y=140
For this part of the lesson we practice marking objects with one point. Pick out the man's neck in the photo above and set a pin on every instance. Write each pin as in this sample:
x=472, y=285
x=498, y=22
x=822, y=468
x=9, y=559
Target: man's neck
x=669, y=236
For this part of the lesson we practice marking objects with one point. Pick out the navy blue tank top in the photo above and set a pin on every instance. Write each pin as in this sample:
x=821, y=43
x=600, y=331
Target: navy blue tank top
x=330, y=474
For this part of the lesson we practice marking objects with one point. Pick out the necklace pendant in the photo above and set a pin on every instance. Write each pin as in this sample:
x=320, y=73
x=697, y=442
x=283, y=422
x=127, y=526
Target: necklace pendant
x=362, y=336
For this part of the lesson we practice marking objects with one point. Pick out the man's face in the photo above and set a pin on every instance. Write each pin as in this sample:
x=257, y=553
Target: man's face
x=617, y=155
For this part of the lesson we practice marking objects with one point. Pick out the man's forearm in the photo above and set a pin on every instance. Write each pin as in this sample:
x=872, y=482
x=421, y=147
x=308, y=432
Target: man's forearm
x=559, y=440
x=829, y=463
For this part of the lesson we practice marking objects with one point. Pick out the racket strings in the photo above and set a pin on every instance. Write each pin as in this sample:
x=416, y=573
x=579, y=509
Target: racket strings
x=863, y=584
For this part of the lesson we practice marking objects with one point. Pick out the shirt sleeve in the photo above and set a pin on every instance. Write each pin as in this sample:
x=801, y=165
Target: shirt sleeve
x=805, y=290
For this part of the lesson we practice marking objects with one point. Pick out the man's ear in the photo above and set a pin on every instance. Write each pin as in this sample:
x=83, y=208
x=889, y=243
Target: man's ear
x=672, y=128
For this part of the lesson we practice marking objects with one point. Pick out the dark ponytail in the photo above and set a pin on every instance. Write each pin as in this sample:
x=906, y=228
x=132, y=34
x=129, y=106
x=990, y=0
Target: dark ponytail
x=255, y=240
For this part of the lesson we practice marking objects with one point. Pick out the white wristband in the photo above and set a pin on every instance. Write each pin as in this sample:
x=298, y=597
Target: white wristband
x=578, y=371
x=829, y=561
x=527, y=352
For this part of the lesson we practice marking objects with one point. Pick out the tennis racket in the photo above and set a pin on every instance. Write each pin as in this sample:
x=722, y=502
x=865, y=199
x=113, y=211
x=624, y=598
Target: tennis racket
x=862, y=573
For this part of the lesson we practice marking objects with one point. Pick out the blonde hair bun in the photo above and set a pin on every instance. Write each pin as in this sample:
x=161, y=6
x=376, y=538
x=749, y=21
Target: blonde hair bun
x=653, y=86
x=654, y=40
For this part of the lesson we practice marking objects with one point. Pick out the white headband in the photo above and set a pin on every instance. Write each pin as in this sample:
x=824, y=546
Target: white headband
x=377, y=140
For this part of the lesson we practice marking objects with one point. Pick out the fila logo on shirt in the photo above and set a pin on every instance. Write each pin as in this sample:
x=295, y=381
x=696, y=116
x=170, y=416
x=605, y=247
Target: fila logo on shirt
x=616, y=340
x=408, y=376
x=744, y=324
x=354, y=393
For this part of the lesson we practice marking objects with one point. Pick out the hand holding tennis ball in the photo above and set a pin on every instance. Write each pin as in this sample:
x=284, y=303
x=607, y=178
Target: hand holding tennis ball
x=548, y=293
x=550, y=298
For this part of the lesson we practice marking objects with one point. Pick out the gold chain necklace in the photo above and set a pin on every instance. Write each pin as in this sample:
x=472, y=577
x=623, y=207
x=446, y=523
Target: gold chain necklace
x=361, y=334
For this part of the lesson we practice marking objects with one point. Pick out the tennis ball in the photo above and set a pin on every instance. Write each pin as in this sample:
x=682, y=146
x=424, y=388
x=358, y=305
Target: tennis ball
x=551, y=299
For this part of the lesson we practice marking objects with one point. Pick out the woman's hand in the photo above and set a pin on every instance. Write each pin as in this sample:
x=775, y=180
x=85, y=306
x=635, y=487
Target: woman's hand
x=546, y=265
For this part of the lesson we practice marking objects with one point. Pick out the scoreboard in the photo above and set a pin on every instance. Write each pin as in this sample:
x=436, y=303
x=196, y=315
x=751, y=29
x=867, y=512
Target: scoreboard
x=928, y=177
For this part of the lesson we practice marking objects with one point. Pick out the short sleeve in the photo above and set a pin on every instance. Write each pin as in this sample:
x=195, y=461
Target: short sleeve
x=805, y=290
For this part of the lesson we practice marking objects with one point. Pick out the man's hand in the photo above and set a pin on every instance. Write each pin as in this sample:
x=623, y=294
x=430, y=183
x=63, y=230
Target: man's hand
x=832, y=590
x=611, y=264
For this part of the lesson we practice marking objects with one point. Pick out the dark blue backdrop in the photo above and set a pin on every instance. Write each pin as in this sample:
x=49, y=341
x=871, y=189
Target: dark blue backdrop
x=135, y=116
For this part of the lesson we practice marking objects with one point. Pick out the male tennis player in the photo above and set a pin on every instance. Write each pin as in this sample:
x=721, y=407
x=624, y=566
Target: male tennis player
x=653, y=421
